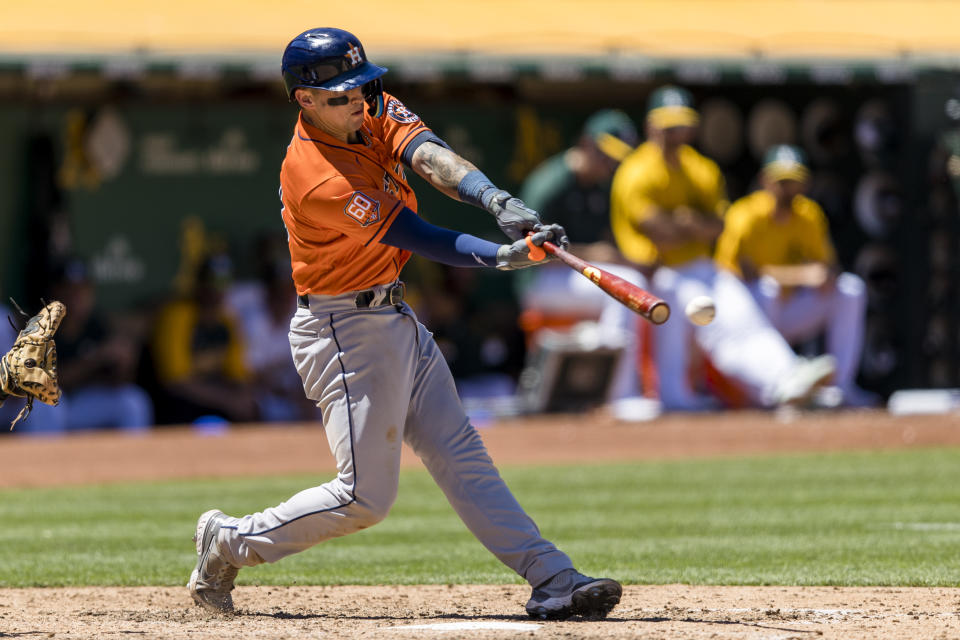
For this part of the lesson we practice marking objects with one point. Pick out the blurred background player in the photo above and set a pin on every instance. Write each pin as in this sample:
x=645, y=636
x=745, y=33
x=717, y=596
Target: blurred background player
x=573, y=189
x=667, y=203
x=199, y=356
x=262, y=307
x=364, y=358
x=778, y=241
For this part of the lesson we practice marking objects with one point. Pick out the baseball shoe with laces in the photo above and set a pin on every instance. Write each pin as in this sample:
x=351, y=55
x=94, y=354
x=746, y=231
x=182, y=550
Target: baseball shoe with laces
x=570, y=593
x=212, y=579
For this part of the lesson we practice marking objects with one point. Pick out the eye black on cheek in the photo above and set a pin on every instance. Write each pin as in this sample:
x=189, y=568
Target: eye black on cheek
x=338, y=102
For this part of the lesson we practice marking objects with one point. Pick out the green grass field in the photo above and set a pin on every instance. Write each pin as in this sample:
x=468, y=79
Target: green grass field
x=886, y=518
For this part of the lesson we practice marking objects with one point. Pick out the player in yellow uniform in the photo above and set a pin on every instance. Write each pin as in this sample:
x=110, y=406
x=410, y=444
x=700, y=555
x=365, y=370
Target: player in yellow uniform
x=667, y=206
x=778, y=241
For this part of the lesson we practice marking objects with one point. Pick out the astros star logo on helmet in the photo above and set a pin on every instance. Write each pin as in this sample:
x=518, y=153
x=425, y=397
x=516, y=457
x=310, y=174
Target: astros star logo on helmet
x=354, y=54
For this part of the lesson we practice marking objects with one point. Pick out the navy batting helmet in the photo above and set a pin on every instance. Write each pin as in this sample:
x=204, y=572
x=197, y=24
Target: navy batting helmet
x=332, y=59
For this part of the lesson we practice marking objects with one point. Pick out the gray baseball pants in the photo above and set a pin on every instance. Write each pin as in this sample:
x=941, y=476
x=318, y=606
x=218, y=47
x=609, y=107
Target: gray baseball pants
x=379, y=379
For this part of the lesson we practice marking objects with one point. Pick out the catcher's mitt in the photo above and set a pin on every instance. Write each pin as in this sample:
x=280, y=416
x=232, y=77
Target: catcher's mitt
x=29, y=369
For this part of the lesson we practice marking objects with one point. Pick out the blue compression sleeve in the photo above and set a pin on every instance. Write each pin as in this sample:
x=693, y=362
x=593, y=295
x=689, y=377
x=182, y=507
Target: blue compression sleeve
x=412, y=233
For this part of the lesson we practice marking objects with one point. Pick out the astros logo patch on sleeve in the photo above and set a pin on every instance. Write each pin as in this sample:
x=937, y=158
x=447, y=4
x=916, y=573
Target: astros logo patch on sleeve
x=364, y=210
x=400, y=113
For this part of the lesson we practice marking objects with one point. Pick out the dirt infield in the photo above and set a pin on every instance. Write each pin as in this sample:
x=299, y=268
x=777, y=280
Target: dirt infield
x=469, y=611
x=677, y=612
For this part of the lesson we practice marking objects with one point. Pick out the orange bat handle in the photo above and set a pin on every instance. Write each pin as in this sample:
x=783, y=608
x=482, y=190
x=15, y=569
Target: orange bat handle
x=536, y=253
x=633, y=297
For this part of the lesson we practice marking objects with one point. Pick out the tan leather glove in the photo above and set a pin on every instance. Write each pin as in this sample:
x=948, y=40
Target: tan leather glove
x=29, y=369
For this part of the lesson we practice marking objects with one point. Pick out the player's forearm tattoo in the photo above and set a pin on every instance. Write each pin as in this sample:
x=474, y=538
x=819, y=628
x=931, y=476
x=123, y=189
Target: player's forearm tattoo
x=441, y=166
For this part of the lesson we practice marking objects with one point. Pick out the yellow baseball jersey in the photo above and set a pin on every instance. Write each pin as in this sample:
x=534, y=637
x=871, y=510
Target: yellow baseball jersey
x=645, y=182
x=183, y=349
x=750, y=233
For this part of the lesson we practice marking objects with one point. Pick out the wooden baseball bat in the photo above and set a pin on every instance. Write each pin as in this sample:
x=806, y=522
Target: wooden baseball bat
x=633, y=297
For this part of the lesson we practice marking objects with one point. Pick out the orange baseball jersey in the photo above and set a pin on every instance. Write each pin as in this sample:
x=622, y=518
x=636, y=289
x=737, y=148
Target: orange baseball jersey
x=339, y=200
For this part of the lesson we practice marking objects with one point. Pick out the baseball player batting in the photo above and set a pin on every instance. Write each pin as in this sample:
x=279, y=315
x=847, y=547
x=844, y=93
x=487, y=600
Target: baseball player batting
x=372, y=368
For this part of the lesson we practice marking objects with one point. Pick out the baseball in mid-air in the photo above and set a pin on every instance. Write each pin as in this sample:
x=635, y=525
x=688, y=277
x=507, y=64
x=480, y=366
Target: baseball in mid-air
x=701, y=310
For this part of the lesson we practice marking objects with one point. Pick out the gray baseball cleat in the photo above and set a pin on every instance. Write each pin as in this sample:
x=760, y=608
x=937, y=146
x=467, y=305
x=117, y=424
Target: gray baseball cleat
x=570, y=593
x=212, y=579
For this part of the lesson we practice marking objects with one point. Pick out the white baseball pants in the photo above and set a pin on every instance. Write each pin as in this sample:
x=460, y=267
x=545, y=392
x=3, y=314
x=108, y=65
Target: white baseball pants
x=839, y=312
x=741, y=342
